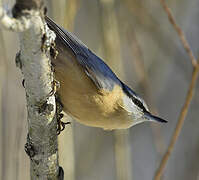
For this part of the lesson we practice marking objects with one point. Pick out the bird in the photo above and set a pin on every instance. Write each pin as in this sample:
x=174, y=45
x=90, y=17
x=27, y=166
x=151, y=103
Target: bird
x=90, y=91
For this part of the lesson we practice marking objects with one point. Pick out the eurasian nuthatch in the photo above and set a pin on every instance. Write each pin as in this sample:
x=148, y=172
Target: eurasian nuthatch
x=90, y=92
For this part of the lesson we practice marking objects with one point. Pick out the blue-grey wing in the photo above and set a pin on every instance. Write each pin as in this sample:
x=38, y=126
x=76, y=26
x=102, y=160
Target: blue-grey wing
x=95, y=68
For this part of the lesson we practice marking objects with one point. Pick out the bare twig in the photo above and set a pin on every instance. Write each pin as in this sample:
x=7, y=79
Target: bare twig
x=110, y=36
x=112, y=51
x=189, y=96
x=70, y=14
x=3, y=84
x=145, y=83
x=180, y=33
x=66, y=139
x=179, y=124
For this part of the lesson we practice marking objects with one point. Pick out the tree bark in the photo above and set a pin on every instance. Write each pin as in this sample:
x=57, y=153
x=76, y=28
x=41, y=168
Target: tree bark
x=34, y=61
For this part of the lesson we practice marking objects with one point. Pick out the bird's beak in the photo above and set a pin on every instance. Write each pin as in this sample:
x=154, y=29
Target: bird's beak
x=151, y=117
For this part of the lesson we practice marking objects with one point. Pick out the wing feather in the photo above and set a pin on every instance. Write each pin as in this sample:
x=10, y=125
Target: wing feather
x=96, y=69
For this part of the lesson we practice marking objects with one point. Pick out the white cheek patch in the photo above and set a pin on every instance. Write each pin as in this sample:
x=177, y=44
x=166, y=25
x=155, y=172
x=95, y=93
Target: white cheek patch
x=130, y=107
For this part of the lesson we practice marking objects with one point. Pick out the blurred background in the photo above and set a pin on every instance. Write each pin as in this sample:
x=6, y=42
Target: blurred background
x=137, y=41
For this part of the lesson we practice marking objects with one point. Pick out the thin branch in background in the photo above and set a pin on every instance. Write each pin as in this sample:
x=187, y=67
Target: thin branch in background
x=189, y=95
x=66, y=139
x=138, y=61
x=18, y=139
x=123, y=155
x=145, y=21
x=179, y=124
x=112, y=51
x=144, y=81
x=71, y=9
x=180, y=33
x=111, y=41
x=3, y=84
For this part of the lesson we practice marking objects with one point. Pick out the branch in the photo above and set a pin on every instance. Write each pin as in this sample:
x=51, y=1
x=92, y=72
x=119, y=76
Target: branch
x=112, y=51
x=143, y=80
x=13, y=24
x=33, y=60
x=66, y=139
x=189, y=96
x=180, y=33
x=179, y=124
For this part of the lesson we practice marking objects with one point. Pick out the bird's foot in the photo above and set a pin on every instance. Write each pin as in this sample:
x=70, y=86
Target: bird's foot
x=61, y=126
x=59, y=107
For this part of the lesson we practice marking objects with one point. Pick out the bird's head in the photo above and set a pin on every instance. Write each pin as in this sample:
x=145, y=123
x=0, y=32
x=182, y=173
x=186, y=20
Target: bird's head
x=137, y=109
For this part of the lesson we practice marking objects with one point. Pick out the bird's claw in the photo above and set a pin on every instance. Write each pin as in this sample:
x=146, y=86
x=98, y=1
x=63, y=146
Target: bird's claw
x=55, y=87
x=61, y=126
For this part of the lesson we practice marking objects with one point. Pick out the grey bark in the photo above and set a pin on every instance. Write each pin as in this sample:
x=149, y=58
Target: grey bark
x=35, y=66
x=34, y=62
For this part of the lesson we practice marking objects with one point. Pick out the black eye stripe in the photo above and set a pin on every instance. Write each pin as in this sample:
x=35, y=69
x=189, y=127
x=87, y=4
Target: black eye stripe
x=132, y=96
x=138, y=103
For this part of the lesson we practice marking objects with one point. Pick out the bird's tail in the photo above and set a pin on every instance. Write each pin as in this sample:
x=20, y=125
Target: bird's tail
x=151, y=117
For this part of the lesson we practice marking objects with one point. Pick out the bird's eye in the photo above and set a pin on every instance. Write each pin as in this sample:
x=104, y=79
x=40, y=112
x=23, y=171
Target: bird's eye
x=139, y=104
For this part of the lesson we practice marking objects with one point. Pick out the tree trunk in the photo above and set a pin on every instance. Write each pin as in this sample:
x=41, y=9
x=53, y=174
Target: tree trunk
x=33, y=60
